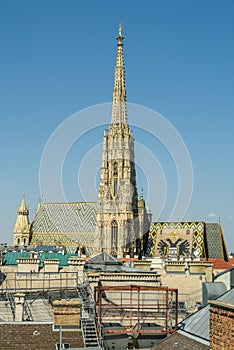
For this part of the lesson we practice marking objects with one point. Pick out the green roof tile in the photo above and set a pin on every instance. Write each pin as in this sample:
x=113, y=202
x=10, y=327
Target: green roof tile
x=11, y=257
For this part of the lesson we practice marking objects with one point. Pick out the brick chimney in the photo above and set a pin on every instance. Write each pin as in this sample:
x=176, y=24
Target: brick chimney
x=66, y=312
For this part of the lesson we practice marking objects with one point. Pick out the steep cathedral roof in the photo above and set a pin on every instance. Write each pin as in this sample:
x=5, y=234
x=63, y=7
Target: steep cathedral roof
x=74, y=221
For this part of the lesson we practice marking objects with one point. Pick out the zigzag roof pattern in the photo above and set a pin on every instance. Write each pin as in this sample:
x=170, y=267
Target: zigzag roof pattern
x=77, y=217
x=215, y=241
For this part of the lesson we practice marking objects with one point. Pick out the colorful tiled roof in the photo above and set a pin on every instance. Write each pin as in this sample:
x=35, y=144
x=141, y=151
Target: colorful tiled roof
x=215, y=241
x=62, y=223
x=197, y=229
x=65, y=217
x=208, y=239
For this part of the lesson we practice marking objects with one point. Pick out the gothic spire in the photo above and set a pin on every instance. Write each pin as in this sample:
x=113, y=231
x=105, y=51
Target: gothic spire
x=23, y=208
x=22, y=225
x=119, y=114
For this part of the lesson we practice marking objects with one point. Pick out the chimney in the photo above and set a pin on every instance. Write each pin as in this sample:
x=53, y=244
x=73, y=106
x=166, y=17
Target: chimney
x=66, y=312
x=19, y=306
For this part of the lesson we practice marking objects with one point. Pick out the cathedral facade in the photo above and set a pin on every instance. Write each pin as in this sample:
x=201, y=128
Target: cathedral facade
x=117, y=222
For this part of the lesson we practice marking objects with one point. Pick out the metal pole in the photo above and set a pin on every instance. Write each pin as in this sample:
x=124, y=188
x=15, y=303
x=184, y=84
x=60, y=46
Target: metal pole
x=131, y=307
x=60, y=338
x=31, y=283
x=100, y=306
x=176, y=320
x=167, y=311
x=138, y=326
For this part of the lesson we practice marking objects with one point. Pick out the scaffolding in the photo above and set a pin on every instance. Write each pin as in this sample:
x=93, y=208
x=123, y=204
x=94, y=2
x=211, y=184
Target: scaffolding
x=135, y=310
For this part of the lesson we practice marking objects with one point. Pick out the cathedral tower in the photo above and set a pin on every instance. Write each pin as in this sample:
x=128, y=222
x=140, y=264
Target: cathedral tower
x=117, y=213
x=22, y=226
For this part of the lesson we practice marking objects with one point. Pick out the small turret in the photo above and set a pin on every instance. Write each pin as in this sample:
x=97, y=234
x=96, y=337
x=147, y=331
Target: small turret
x=22, y=225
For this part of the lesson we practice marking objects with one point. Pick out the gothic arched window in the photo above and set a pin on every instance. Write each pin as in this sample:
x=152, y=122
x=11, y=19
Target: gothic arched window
x=114, y=234
x=115, y=176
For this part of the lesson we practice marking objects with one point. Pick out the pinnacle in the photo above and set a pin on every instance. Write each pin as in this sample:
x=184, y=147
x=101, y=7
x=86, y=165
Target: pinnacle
x=23, y=207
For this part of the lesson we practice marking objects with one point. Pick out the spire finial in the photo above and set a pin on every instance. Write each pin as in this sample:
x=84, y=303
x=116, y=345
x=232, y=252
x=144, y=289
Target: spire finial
x=120, y=37
x=23, y=206
x=120, y=29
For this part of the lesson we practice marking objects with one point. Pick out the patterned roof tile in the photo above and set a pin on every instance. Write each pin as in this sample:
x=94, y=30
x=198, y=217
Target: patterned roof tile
x=65, y=217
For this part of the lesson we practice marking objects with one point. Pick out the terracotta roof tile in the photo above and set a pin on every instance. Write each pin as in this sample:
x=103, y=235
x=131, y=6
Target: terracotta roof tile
x=219, y=264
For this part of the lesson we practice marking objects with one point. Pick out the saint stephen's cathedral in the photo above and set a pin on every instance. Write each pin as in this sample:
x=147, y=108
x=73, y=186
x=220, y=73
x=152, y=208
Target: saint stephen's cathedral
x=118, y=222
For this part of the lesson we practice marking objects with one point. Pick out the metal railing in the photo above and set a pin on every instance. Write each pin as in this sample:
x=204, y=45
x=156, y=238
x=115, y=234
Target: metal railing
x=88, y=322
x=10, y=298
x=89, y=331
x=27, y=312
x=31, y=282
x=188, y=302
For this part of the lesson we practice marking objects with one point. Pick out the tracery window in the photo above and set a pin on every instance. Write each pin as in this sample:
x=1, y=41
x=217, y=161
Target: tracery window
x=114, y=234
x=115, y=176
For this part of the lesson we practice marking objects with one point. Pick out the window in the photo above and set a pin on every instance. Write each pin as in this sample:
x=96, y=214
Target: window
x=114, y=234
x=63, y=346
x=115, y=186
x=115, y=175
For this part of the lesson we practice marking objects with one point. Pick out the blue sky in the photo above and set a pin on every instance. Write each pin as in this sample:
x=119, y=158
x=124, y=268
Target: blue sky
x=57, y=57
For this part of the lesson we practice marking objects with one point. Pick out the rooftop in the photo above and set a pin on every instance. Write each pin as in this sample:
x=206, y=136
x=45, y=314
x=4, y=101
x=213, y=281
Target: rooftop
x=198, y=324
x=218, y=264
x=10, y=258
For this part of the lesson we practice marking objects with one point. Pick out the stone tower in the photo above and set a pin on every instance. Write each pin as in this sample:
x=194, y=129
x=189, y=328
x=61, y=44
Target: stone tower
x=22, y=226
x=117, y=214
